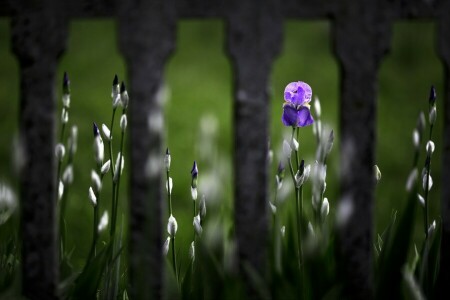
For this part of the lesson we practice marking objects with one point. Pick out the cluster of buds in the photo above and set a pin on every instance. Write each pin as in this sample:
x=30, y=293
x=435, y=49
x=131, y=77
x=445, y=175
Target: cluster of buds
x=302, y=174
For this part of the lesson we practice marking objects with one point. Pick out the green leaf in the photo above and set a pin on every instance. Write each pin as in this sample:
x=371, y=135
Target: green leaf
x=395, y=251
x=87, y=283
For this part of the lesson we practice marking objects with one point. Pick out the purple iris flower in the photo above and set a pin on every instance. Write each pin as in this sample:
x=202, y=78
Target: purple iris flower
x=296, y=111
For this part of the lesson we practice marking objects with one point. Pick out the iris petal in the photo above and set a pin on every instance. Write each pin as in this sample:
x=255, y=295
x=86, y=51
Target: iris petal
x=304, y=117
x=290, y=115
x=298, y=93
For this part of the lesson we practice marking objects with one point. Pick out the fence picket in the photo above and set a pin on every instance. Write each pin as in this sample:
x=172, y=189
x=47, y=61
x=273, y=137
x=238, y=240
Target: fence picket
x=38, y=39
x=360, y=40
x=146, y=39
x=254, y=38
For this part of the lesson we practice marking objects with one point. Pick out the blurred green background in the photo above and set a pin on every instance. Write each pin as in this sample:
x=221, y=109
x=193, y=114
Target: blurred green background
x=199, y=82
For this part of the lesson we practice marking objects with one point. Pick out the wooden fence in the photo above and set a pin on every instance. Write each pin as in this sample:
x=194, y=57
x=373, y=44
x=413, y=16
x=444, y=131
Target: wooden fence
x=361, y=33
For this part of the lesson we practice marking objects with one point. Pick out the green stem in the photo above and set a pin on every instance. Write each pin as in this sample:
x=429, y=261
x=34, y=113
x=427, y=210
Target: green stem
x=110, y=144
x=174, y=258
x=276, y=237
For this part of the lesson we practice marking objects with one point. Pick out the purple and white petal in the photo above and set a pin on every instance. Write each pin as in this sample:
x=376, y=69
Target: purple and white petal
x=289, y=116
x=304, y=117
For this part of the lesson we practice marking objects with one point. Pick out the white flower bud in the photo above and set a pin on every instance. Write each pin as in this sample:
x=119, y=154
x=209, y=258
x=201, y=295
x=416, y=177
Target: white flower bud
x=106, y=132
x=66, y=100
x=432, y=116
x=60, y=151
x=300, y=179
x=194, y=193
x=120, y=163
x=67, y=176
x=197, y=225
x=123, y=122
x=421, y=200
x=273, y=208
x=104, y=220
x=411, y=180
x=73, y=139
x=287, y=150
x=166, y=246
x=172, y=226
x=416, y=138
x=202, y=208
x=96, y=181
x=424, y=182
x=192, y=251
x=167, y=160
x=295, y=144
x=169, y=185
x=377, y=173
x=430, y=148
x=105, y=167
x=317, y=107
x=60, y=190
x=325, y=209
x=99, y=149
x=64, y=116
x=92, y=196
x=283, y=231
x=279, y=182
x=432, y=228
x=124, y=98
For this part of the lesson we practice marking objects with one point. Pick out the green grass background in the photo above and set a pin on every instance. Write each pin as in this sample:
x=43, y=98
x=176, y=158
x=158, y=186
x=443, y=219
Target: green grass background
x=199, y=81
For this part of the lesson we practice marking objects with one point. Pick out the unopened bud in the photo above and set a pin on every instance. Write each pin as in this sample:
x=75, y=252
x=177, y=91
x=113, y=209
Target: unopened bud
x=169, y=185
x=99, y=150
x=432, y=228
x=73, y=140
x=202, y=207
x=92, y=197
x=60, y=190
x=124, y=99
x=283, y=231
x=166, y=246
x=172, y=226
x=106, y=132
x=60, y=151
x=311, y=229
x=64, y=116
x=325, y=209
x=197, y=225
x=287, y=150
x=424, y=182
x=192, y=251
x=430, y=148
x=104, y=220
x=66, y=84
x=105, y=167
x=432, y=115
x=123, y=122
x=302, y=177
x=120, y=164
x=411, y=180
x=416, y=138
x=432, y=97
x=377, y=173
x=273, y=208
x=96, y=181
x=330, y=142
x=194, y=174
x=115, y=92
x=421, y=200
x=67, y=176
x=317, y=107
x=167, y=160
x=194, y=193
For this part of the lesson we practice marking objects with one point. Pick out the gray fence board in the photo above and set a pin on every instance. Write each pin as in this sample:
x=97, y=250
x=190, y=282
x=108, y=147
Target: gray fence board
x=146, y=38
x=38, y=39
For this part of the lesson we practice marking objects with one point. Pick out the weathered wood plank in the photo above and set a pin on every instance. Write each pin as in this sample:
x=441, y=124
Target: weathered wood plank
x=146, y=39
x=39, y=37
x=254, y=31
x=444, y=52
x=361, y=36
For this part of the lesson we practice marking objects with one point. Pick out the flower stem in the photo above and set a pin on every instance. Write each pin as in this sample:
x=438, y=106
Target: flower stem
x=169, y=200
